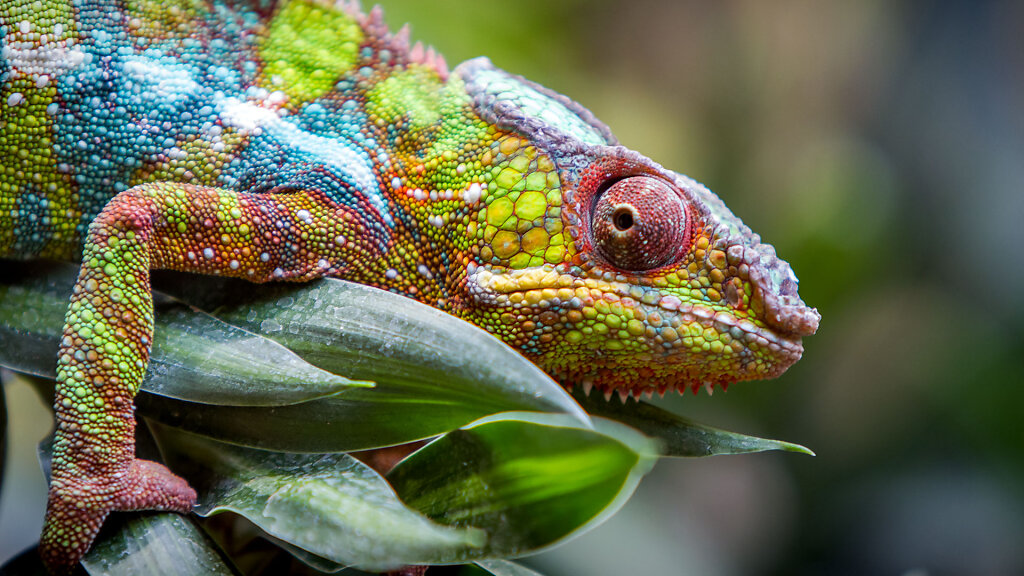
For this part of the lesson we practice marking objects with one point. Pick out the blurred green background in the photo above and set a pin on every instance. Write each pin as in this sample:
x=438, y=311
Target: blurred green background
x=879, y=145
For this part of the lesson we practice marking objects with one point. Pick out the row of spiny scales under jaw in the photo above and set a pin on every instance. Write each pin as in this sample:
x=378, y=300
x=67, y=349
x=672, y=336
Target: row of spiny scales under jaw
x=646, y=393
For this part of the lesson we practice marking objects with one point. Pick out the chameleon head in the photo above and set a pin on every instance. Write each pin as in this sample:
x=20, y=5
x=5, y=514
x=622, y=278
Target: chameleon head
x=608, y=270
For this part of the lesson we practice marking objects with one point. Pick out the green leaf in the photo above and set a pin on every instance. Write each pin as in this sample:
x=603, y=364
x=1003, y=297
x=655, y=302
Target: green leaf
x=434, y=372
x=194, y=348
x=680, y=437
x=195, y=356
x=331, y=505
x=528, y=480
x=162, y=543
x=506, y=568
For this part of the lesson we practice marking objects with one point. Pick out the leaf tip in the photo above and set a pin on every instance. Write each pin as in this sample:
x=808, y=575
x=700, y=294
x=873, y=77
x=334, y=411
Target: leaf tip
x=790, y=447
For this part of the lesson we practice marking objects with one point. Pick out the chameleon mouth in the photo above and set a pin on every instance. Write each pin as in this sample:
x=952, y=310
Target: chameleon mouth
x=782, y=341
x=648, y=374
x=676, y=344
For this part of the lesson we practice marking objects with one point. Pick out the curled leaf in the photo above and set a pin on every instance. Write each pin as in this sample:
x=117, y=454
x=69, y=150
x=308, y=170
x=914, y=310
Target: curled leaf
x=528, y=480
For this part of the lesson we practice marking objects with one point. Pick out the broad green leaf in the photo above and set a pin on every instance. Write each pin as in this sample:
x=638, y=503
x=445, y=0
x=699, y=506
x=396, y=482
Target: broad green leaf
x=421, y=358
x=331, y=505
x=506, y=568
x=434, y=372
x=157, y=543
x=195, y=356
x=680, y=437
x=528, y=480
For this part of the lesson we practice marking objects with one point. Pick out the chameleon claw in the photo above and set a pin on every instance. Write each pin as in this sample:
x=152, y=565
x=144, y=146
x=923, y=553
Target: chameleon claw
x=77, y=507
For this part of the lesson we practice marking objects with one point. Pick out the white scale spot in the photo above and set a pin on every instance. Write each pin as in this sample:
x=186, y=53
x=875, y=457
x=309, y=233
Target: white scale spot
x=391, y=274
x=473, y=193
x=208, y=253
x=305, y=216
x=15, y=99
x=234, y=264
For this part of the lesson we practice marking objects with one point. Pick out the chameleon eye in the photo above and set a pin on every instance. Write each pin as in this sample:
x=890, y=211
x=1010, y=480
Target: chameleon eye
x=639, y=223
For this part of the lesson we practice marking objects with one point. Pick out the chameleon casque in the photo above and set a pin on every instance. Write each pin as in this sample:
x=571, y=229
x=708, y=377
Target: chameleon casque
x=289, y=140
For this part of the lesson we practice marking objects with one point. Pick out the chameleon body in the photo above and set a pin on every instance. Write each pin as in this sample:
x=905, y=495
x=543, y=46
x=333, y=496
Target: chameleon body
x=289, y=140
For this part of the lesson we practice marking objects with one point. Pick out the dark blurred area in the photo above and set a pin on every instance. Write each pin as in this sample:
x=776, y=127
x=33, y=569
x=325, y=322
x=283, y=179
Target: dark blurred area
x=879, y=145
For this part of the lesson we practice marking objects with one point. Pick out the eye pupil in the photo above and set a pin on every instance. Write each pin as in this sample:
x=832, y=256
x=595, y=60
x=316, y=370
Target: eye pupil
x=623, y=219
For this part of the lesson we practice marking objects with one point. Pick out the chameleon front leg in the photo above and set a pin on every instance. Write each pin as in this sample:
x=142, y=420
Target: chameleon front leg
x=109, y=328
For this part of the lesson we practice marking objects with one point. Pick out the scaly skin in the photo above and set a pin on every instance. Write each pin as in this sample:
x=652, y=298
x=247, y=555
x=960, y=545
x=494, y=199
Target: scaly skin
x=298, y=139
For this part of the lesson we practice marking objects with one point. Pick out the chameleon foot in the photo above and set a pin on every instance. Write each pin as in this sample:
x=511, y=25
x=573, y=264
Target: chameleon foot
x=77, y=507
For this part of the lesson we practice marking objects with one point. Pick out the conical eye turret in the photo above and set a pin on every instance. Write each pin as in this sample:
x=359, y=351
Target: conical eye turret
x=640, y=223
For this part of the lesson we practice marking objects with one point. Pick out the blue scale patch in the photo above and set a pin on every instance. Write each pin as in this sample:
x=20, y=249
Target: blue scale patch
x=33, y=229
x=283, y=151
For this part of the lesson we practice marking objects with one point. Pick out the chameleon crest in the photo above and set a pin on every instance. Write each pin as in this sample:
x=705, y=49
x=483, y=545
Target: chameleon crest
x=296, y=139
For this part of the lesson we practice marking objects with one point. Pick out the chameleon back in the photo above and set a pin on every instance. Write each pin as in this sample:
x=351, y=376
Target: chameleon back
x=101, y=97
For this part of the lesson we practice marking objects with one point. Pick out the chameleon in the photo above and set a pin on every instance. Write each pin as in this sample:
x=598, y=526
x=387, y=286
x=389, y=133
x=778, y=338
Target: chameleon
x=287, y=140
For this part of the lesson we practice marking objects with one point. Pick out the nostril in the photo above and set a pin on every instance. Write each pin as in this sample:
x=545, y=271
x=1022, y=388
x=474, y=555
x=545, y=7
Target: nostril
x=733, y=293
